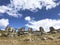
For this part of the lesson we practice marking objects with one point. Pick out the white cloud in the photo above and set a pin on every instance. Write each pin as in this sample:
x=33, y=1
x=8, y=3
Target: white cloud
x=45, y=23
x=3, y=9
x=32, y=5
x=9, y=11
x=13, y=13
x=49, y=4
x=59, y=14
x=4, y=22
x=28, y=18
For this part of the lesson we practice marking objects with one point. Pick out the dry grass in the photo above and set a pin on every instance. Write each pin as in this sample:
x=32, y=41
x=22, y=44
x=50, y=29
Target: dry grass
x=37, y=41
x=16, y=42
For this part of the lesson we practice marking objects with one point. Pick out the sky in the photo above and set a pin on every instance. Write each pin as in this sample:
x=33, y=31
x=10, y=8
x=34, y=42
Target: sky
x=30, y=13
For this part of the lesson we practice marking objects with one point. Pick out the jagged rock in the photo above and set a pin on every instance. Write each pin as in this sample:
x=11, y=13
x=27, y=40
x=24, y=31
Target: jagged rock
x=21, y=31
x=36, y=33
x=53, y=31
x=0, y=34
x=58, y=37
x=10, y=31
x=41, y=30
x=30, y=30
x=43, y=38
x=50, y=38
x=58, y=30
x=26, y=39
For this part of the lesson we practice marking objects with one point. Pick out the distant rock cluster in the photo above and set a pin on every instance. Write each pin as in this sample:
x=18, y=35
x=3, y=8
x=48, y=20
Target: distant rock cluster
x=11, y=32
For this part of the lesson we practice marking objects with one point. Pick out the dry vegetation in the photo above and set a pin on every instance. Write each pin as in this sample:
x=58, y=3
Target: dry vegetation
x=35, y=40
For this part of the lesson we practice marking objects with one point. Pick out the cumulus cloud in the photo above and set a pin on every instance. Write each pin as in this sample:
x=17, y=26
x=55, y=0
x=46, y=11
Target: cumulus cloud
x=4, y=22
x=27, y=18
x=9, y=11
x=59, y=14
x=32, y=5
x=45, y=23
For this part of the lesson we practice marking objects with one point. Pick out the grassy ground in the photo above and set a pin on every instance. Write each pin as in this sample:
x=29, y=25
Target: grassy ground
x=36, y=40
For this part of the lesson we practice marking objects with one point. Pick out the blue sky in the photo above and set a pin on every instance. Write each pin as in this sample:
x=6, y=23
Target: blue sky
x=30, y=13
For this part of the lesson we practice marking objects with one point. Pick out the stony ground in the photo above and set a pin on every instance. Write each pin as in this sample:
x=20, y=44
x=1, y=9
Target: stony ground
x=35, y=40
x=15, y=42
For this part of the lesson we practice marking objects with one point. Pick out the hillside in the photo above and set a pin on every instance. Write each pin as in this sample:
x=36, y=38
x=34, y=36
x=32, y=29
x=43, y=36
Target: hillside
x=49, y=39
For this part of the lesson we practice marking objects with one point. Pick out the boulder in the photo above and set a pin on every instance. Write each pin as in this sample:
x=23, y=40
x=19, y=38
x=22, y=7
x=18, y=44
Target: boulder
x=43, y=38
x=26, y=39
x=50, y=38
x=0, y=34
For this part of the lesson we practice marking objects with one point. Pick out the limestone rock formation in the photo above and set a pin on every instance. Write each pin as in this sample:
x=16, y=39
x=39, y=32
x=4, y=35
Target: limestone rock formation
x=21, y=31
x=52, y=30
x=30, y=30
x=41, y=30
